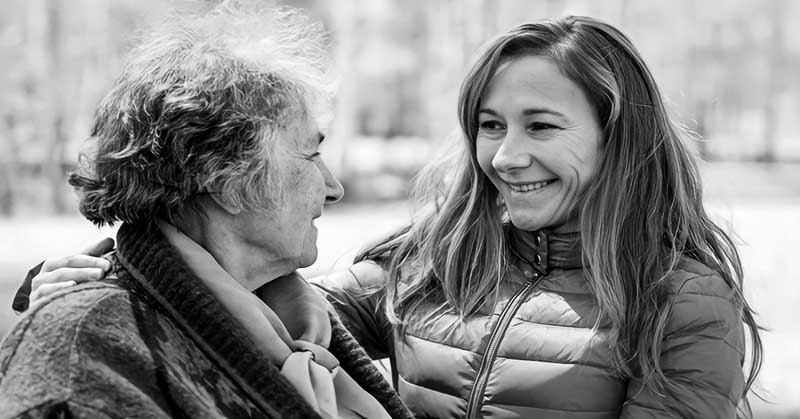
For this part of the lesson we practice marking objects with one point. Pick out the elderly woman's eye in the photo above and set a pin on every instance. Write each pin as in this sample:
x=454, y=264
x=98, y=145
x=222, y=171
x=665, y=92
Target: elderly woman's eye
x=314, y=156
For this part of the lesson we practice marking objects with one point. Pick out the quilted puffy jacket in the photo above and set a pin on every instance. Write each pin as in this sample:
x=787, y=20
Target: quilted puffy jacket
x=537, y=355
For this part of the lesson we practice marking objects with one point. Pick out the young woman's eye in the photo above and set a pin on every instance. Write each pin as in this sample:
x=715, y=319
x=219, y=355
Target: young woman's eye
x=542, y=126
x=490, y=126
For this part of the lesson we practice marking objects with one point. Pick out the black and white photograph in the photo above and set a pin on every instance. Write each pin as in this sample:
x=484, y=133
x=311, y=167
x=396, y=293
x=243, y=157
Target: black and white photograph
x=399, y=209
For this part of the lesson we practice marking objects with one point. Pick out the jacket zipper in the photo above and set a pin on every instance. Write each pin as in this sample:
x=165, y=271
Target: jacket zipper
x=499, y=330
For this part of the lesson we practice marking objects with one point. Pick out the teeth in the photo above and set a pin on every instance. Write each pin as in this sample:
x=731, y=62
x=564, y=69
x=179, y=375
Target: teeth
x=529, y=187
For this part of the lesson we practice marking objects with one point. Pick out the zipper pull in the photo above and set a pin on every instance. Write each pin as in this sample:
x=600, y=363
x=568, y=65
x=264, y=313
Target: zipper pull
x=531, y=274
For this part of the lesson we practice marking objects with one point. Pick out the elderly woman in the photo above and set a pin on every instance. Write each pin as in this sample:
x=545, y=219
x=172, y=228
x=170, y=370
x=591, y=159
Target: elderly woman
x=207, y=153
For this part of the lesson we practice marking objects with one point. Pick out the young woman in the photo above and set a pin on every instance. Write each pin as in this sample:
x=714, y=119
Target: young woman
x=563, y=263
x=560, y=263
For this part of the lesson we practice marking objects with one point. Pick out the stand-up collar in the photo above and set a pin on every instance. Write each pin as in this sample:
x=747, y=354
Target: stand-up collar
x=544, y=251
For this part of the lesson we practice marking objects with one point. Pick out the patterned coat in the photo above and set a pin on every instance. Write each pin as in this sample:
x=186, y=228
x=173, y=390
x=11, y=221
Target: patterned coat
x=151, y=342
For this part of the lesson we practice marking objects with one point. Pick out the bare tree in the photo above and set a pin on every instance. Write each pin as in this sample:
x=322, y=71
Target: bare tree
x=344, y=20
x=774, y=80
x=56, y=133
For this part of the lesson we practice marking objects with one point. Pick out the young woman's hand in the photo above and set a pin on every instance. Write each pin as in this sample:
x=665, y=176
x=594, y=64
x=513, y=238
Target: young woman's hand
x=57, y=274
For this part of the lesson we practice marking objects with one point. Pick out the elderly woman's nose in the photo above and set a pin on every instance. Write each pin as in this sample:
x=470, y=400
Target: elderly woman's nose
x=334, y=189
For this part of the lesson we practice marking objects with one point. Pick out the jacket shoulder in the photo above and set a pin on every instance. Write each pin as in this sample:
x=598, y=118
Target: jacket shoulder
x=54, y=323
x=362, y=276
x=702, y=350
x=65, y=343
x=704, y=304
x=691, y=277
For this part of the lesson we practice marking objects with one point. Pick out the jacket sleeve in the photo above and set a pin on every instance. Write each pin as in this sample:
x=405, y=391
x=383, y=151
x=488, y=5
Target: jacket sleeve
x=22, y=297
x=79, y=358
x=702, y=355
x=358, y=295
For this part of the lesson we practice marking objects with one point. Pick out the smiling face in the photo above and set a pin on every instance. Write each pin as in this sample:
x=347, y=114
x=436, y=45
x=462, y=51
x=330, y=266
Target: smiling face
x=538, y=142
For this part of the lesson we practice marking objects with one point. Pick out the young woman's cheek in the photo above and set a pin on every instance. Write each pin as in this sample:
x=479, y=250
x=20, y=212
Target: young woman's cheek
x=485, y=151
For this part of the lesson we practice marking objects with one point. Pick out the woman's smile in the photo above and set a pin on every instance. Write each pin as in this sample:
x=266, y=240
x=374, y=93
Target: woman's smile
x=530, y=187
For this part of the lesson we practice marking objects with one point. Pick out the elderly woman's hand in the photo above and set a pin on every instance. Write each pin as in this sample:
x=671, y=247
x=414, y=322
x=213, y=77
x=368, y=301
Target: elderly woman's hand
x=57, y=274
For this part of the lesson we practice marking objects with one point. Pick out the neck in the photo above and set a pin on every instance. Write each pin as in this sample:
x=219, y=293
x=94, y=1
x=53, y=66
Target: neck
x=245, y=262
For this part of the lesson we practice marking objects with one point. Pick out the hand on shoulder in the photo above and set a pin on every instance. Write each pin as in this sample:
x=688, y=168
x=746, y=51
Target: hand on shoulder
x=60, y=273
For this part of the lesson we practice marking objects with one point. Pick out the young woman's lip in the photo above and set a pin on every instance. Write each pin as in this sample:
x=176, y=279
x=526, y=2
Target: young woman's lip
x=530, y=183
x=533, y=187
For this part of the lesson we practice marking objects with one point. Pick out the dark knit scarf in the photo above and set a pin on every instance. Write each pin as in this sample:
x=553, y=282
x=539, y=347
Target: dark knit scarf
x=154, y=271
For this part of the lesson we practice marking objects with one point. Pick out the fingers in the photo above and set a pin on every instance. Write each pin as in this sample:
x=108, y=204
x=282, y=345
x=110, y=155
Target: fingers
x=57, y=274
x=100, y=248
x=87, y=258
x=76, y=275
x=47, y=283
x=47, y=289
x=76, y=261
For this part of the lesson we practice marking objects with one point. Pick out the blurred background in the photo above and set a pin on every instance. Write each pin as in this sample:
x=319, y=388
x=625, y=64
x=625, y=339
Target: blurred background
x=730, y=70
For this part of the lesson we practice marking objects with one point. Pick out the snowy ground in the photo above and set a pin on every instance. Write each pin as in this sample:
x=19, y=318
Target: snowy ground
x=767, y=226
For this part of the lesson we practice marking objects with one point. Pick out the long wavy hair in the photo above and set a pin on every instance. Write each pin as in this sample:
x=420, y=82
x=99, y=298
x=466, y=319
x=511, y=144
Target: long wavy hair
x=643, y=212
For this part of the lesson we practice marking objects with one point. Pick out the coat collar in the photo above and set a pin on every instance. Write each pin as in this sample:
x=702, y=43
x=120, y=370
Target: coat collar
x=167, y=281
x=162, y=276
x=543, y=250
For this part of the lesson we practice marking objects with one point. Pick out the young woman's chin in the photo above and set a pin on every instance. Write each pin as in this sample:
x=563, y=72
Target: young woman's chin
x=559, y=226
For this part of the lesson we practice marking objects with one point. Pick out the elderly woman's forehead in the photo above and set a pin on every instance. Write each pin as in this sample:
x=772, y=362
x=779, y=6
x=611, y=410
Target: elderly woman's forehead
x=304, y=133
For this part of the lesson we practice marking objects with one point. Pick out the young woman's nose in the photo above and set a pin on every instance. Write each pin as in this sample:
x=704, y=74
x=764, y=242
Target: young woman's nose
x=512, y=152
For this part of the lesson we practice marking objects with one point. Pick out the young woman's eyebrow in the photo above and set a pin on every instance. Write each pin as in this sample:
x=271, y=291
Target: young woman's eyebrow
x=537, y=111
x=527, y=112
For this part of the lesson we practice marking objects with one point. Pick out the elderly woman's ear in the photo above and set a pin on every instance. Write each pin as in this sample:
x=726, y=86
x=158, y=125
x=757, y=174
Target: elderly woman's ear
x=226, y=206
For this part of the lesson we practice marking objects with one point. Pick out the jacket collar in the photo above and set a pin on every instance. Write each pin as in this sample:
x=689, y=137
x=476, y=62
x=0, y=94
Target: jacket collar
x=543, y=250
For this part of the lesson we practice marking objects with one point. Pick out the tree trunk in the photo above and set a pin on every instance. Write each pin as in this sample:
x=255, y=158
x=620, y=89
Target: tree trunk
x=57, y=138
x=7, y=162
x=343, y=126
x=6, y=190
x=776, y=8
